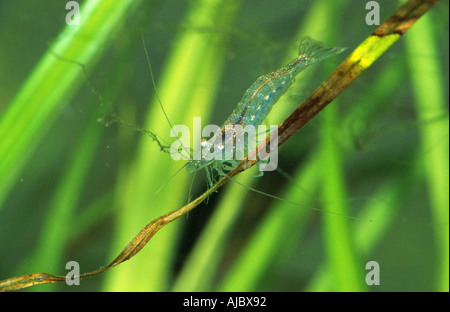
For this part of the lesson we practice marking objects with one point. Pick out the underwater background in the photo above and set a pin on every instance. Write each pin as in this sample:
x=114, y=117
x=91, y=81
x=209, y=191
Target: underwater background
x=78, y=173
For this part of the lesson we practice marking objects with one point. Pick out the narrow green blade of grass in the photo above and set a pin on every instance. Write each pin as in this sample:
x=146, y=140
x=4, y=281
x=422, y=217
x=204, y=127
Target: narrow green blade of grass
x=368, y=235
x=339, y=248
x=265, y=245
x=195, y=58
x=200, y=268
x=49, y=251
x=339, y=245
x=35, y=107
x=432, y=113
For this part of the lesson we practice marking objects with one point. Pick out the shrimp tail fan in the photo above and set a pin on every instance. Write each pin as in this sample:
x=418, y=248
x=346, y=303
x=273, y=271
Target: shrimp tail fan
x=314, y=51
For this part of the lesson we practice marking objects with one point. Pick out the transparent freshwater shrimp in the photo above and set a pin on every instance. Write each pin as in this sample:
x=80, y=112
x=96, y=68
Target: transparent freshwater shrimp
x=256, y=104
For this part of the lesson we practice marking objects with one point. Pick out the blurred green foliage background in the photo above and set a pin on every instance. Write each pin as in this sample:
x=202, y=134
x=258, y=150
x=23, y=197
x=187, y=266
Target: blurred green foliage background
x=73, y=188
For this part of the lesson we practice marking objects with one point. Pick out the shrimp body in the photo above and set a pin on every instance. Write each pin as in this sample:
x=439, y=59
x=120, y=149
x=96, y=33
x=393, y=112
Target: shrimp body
x=259, y=99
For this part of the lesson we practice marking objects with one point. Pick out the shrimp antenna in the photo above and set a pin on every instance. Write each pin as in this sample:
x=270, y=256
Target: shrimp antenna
x=156, y=91
x=290, y=202
x=190, y=187
x=154, y=83
x=168, y=180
